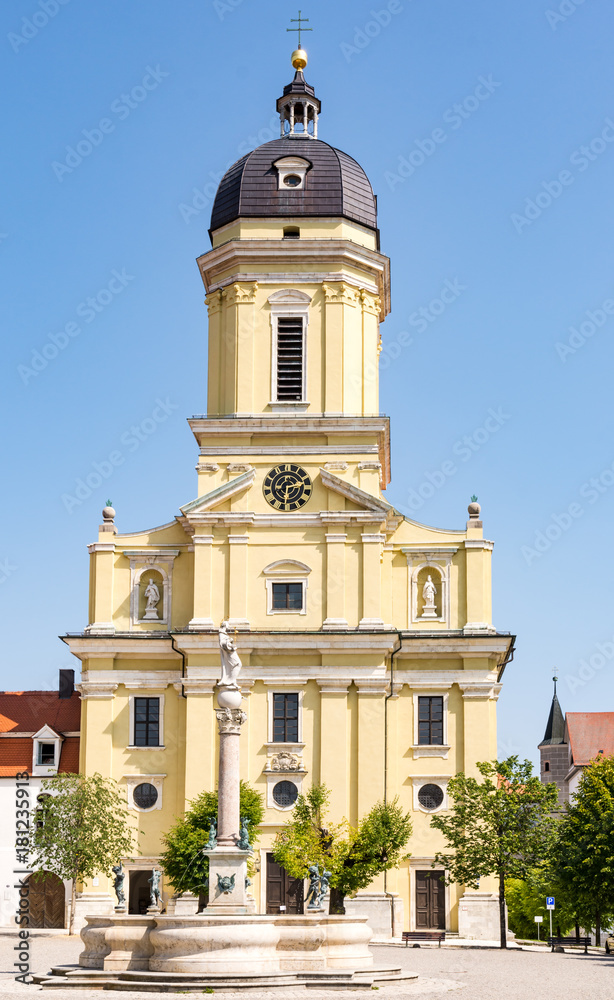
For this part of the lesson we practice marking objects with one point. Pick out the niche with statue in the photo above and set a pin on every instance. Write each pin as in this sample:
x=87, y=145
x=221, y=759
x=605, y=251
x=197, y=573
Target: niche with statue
x=151, y=596
x=429, y=586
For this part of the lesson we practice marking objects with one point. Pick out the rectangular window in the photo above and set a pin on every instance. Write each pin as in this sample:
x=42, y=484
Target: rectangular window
x=285, y=718
x=146, y=722
x=46, y=755
x=290, y=360
x=430, y=721
x=287, y=597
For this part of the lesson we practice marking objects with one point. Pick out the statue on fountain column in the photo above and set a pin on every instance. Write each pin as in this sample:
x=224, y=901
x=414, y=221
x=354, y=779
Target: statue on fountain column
x=231, y=663
x=429, y=592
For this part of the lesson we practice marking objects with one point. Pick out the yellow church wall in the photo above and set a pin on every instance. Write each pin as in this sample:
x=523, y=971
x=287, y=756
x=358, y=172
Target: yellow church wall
x=261, y=229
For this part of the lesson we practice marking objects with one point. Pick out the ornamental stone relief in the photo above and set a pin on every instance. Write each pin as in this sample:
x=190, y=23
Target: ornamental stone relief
x=285, y=761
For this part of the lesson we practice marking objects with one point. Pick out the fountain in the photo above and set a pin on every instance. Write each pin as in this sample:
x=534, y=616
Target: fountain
x=227, y=945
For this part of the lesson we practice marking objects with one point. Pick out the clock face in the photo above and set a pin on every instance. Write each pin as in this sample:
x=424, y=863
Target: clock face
x=287, y=487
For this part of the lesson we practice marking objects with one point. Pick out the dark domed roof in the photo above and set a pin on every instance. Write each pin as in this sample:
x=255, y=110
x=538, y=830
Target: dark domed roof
x=335, y=185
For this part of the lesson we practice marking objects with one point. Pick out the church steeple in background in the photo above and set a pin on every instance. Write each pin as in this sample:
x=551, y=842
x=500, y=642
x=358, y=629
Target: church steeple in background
x=553, y=749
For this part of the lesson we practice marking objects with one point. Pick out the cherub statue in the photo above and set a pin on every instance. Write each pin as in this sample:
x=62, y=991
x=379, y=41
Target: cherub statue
x=313, y=893
x=118, y=884
x=243, y=842
x=212, y=842
x=154, y=882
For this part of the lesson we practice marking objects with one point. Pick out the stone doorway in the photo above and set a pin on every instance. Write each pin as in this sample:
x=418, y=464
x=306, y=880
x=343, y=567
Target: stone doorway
x=430, y=901
x=140, y=892
x=283, y=893
x=47, y=899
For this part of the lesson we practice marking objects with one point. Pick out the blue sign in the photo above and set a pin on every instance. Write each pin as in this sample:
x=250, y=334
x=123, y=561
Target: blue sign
x=549, y=902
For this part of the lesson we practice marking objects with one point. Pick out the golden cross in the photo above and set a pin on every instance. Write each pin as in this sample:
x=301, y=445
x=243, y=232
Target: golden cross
x=300, y=26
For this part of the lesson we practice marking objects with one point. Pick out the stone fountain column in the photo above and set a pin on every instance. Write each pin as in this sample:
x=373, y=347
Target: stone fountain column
x=227, y=862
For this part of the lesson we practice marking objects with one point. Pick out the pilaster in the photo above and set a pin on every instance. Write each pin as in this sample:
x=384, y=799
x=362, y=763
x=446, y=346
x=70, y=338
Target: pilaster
x=238, y=540
x=372, y=581
x=371, y=738
x=479, y=599
x=335, y=581
x=102, y=562
x=201, y=617
x=334, y=742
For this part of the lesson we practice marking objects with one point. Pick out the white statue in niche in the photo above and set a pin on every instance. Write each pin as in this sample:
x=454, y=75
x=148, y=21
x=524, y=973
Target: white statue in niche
x=231, y=663
x=429, y=592
x=152, y=595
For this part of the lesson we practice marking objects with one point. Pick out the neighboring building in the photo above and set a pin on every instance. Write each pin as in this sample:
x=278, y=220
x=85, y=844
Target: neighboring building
x=571, y=743
x=39, y=733
x=370, y=659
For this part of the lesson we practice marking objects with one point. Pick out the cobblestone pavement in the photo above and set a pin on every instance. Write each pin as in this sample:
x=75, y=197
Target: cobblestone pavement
x=477, y=974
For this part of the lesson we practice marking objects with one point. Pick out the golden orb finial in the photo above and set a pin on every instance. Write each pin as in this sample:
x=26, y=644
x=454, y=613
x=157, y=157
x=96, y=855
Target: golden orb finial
x=299, y=59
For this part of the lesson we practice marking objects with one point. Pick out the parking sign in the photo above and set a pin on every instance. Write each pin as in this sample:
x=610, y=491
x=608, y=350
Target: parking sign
x=549, y=902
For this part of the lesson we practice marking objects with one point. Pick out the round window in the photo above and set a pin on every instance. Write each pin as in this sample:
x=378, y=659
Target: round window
x=285, y=793
x=145, y=795
x=292, y=180
x=430, y=796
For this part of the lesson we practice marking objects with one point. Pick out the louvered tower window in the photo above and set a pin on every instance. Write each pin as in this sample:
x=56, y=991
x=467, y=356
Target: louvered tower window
x=290, y=359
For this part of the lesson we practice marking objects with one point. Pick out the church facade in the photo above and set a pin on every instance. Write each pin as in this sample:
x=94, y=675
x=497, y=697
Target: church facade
x=370, y=661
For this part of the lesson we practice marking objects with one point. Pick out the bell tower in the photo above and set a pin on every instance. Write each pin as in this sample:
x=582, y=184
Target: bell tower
x=296, y=289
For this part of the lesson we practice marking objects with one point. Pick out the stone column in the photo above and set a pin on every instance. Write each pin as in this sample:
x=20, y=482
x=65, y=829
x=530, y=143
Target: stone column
x=229, y=722
x=227, y=861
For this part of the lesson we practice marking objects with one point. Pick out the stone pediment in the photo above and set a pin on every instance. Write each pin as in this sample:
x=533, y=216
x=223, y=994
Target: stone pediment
x=361, y=499
x=218, y=496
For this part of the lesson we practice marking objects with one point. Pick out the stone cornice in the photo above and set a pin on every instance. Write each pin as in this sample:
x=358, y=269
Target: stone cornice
x=240, y=254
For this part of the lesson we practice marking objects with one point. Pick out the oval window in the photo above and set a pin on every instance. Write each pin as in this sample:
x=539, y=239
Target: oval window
x=285, y=793
x=292, y=180
x=430, y=796
x=145, y=795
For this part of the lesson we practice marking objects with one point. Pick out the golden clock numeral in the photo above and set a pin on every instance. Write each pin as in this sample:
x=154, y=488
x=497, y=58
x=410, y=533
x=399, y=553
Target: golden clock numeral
x=278, y=504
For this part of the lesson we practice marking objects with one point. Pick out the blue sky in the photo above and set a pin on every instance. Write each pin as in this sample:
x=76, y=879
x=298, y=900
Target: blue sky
x=487, y=131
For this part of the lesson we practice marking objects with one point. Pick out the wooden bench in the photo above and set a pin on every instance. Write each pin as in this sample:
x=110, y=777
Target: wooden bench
x=423, y=936
x=569, y=942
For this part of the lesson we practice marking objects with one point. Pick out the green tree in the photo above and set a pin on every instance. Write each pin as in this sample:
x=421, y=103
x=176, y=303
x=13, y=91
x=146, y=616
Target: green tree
x=499, y=826
x=526, y=899
x=584, y=852
x=81, y=829
x=185, y=866
x=353, y=855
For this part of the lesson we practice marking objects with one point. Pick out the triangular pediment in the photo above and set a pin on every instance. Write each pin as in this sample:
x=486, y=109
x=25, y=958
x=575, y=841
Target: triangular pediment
x=361, y=499
x=47, y=733
x=219, y=495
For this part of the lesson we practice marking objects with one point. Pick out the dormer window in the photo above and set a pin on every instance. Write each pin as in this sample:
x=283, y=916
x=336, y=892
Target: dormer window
x=291, y=172
x=46, y=748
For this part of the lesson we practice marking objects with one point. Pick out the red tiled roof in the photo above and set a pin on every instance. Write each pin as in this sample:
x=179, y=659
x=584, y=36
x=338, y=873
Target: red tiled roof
x=16, y=755
x=590, y=733
x=28, y=711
